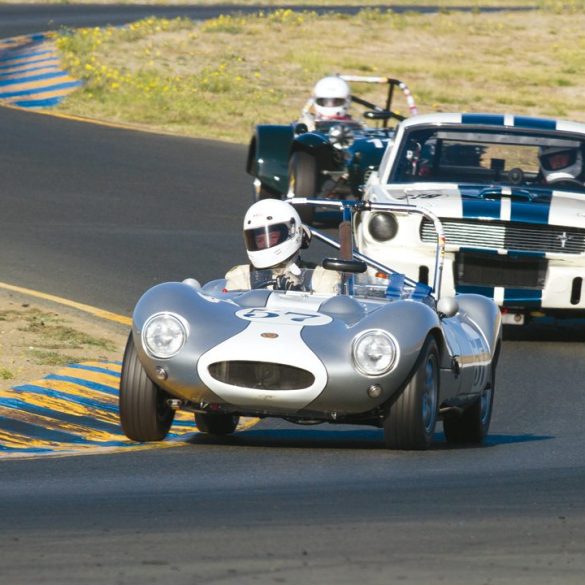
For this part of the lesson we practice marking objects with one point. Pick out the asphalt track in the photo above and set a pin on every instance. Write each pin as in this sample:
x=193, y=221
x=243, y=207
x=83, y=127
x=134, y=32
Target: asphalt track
x=97, y=214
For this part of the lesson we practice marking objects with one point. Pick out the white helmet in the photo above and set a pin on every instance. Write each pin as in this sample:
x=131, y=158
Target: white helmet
x=331, y=98
x=560, y=162
x=273, y=232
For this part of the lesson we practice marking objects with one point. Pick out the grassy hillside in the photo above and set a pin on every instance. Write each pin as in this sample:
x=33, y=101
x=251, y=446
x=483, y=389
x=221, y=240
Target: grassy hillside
x=219, y=78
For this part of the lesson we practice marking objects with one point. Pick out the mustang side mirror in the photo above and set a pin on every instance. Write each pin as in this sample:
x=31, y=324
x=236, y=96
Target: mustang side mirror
x=353, y=266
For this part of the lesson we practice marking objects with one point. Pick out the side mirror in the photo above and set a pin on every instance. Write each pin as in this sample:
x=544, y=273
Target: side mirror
x=353, y=266
x=447, y=307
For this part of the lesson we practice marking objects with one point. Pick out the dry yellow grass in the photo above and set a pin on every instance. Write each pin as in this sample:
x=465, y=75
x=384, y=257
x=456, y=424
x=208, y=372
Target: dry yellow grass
x=219, y=78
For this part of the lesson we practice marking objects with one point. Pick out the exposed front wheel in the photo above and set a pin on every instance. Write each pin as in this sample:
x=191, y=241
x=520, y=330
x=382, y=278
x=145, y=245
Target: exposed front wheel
x=144, y=412
x=302, y=182
x=411, y=420
x=216, y=424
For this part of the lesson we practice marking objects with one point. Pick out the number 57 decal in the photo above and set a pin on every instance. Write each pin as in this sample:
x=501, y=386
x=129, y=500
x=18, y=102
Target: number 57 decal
x=277, y=317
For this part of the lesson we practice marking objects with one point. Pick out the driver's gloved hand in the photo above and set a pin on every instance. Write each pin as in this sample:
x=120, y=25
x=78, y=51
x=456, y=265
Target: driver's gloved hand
x=285, y=283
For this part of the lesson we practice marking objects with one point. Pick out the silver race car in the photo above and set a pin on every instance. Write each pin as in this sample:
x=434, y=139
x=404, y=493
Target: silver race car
x=391, y=354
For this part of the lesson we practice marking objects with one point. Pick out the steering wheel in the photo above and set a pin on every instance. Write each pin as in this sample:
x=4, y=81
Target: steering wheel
x=516, y=176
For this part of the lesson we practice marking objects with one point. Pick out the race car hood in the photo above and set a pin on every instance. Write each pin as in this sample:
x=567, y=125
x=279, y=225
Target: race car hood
x=301, y=331
x=469, y=201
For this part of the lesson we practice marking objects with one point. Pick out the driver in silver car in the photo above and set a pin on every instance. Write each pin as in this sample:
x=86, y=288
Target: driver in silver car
x=274, y=236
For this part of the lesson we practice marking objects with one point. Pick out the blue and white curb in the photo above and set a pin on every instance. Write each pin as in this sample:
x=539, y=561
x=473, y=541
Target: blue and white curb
x=75, y=412
x=31, y=75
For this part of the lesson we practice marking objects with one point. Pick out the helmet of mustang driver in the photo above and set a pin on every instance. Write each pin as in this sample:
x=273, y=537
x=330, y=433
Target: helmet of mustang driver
x=331, y=98
x=560, y=162
x=273, y=232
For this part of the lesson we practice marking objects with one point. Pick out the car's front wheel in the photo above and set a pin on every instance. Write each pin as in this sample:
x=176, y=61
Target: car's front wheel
x=216, y=424
x=302, y=182
x=410, y=422
x=144, y=412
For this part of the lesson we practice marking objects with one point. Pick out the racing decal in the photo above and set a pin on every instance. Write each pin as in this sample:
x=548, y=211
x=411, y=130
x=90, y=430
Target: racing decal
x=278, y=317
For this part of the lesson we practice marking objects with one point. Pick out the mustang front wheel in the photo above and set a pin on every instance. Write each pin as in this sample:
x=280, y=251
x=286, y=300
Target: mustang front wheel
x=410, y=423
x=216, y=424
x=144, y=412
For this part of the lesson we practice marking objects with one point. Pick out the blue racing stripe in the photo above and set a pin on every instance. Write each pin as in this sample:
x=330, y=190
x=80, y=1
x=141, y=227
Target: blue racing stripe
x=478, y=208
x=539, y=123
x=526, y=297
x=536, y=211
x=486, y=119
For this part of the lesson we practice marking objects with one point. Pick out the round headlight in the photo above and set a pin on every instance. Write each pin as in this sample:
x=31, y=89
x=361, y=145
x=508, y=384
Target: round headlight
x=383, y=226
x=374, y=352
x=164, y=335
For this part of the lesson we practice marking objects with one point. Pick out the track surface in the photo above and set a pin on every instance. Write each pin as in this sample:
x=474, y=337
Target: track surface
x=98, y=214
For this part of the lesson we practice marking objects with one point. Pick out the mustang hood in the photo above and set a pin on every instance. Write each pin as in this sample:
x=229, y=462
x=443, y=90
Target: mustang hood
x=517, y=204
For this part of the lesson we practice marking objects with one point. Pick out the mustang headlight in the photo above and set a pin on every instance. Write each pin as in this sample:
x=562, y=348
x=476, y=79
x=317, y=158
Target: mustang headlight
x=383, y=226
x=374, y=352
x=164, y=335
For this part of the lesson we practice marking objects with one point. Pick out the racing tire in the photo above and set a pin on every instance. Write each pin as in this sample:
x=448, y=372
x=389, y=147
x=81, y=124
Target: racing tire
x=216, y=424
x=472, y=425
x=144, y=413
x=302, y=182
x=410, y=422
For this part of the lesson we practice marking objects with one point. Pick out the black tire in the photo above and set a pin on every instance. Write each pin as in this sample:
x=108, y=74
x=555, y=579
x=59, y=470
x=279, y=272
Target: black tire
x=144, y=412
x=410, y=422
x=302, y=181
x=216, y=424
x=472, y=425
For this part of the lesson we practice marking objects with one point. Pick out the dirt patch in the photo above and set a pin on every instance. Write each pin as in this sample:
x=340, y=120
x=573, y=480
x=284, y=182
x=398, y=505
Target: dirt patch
x=38, y=337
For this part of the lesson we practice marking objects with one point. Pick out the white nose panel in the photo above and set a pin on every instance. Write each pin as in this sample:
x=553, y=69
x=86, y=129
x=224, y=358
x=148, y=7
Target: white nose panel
x=279, y=345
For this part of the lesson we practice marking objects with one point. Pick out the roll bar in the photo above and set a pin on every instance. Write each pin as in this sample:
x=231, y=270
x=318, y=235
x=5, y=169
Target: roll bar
x=348, y=208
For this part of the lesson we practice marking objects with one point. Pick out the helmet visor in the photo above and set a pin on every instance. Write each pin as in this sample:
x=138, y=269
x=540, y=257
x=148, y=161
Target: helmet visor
x=330, y=102
x=262, y=238
x=561, y=159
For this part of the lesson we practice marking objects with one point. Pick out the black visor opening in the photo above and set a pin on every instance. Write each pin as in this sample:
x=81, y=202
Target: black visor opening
x=265, y=237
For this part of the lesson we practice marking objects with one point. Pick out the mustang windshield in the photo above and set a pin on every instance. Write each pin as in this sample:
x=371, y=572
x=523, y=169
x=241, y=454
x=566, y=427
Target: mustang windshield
x=485, y=157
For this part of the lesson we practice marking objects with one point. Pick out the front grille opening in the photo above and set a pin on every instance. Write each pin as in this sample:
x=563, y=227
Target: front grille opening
x=261, y=375
x=497, y=270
